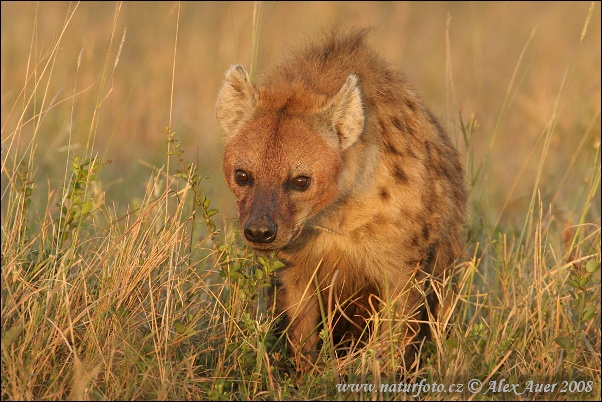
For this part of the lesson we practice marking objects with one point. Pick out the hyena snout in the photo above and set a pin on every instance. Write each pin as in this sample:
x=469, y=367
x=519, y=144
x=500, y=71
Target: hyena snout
x=262, y=230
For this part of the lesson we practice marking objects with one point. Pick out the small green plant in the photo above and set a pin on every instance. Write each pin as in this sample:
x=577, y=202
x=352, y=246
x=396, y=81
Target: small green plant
x=25, y=188
x=77, y=203
x=584, y=307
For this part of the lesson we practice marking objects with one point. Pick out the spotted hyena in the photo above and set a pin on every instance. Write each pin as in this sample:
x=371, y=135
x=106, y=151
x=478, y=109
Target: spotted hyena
x=339, y=168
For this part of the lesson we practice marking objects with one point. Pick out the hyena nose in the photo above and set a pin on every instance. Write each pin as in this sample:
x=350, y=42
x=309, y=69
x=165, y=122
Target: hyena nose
x=261, y=231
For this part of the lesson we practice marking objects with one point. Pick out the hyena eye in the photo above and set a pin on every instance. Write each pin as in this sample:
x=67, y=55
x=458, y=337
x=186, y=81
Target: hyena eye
x=241, y=177
x=300, y=182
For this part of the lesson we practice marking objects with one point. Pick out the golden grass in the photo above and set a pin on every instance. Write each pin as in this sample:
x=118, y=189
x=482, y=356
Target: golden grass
x=121, y=281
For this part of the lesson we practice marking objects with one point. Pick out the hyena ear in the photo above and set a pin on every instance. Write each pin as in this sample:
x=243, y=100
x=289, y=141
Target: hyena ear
x=235, y=99
x=347, y=113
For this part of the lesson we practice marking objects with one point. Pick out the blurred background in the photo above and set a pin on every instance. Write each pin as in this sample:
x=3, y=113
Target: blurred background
x=523, y=70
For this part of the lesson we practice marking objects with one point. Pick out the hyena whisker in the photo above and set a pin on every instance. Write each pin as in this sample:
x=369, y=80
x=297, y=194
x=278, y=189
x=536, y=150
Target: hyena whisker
x=327, y=230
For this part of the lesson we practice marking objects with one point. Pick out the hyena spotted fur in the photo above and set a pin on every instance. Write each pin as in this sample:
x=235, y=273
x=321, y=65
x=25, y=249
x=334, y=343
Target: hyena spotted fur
x=339, y=168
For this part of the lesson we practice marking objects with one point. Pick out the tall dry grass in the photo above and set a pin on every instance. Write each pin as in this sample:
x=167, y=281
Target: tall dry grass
x=120, y=279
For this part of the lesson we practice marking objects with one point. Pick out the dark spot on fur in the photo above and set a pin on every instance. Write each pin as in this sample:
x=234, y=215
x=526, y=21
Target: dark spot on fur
x=391, y=148
x=399, y=175
x=410, y=130
x=415, y=241
x=381, y=127
x=411, y=153
x=388, y=76
x=398, y=124
x=437, y=163
x=328, y=50
x=436, y=124
x=237, y=86
x=403, y=126
x=425, y=232
x=429, y=259
x=412, y=105
x=384, y=194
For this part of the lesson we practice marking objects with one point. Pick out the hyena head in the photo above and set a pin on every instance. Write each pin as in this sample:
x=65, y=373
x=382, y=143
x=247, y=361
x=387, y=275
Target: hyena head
x=284, y=151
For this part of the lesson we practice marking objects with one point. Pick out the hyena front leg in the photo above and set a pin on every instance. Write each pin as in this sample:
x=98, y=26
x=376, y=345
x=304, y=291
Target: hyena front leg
x=399, y=327
x=299, y=303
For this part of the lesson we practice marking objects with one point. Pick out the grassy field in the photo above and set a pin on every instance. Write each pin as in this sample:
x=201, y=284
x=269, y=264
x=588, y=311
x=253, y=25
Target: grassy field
x=123, y=276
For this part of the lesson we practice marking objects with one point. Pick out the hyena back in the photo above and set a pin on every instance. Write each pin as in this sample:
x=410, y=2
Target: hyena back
x=338, y=167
